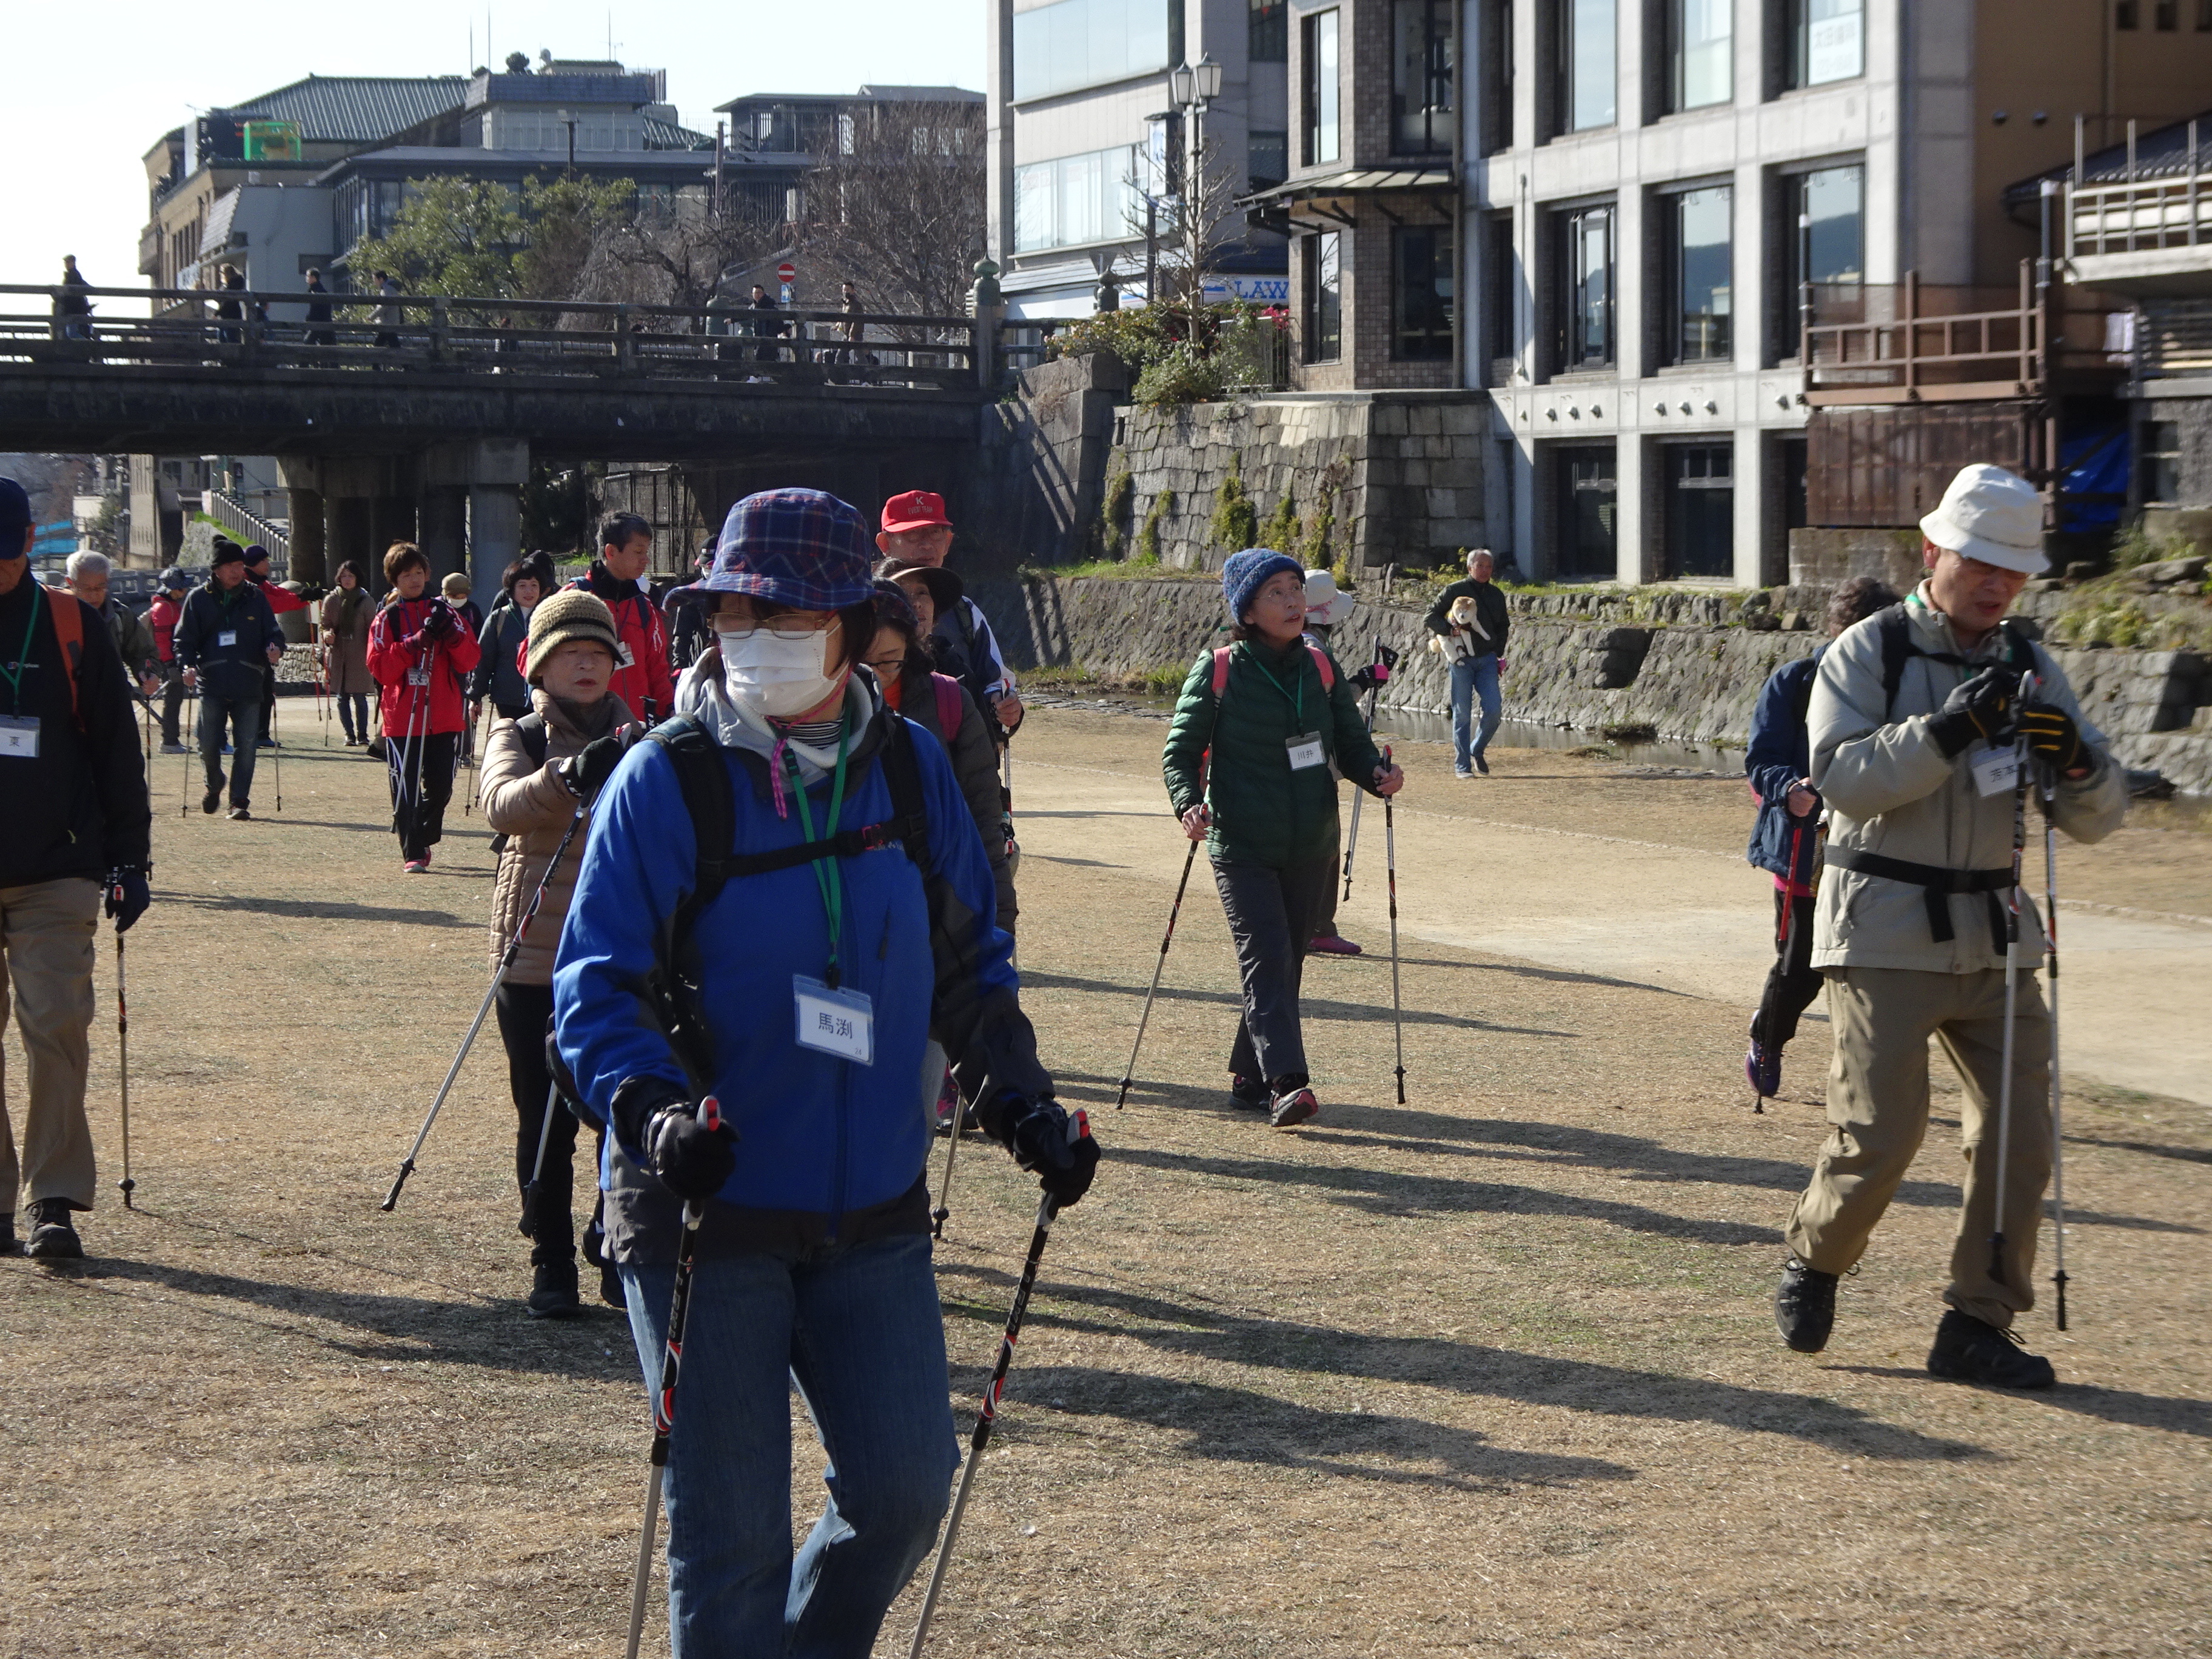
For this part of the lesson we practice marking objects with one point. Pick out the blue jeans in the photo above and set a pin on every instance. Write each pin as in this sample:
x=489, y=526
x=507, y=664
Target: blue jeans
x=1476, y=675
x=243, y=715
x=857, y=1329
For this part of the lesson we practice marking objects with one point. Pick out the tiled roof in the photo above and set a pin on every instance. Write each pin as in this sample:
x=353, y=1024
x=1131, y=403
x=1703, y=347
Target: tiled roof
x=2160, y=152
x=666, y=135
x=351, y=109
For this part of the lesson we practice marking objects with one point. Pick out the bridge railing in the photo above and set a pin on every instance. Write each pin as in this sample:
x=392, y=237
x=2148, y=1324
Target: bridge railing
x=412, y=334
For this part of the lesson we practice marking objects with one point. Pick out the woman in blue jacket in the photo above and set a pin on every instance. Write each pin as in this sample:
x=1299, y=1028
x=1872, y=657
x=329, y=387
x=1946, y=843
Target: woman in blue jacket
x=801, y=993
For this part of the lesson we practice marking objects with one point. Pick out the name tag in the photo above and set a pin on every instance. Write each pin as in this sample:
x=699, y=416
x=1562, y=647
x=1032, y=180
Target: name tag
x=18, y=738
x=836, y=1022
x=228, y=636
x=418, y=677
x=1306, y=751
x=1997, y=770
x=624, y=658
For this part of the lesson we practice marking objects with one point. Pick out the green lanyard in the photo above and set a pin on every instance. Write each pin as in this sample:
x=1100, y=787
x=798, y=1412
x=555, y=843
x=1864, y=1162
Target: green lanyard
x=1297, y=700
x=15, y=676
x=827, y=876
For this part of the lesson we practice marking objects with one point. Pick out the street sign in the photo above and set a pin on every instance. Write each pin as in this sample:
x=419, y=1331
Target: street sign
x=786, y=272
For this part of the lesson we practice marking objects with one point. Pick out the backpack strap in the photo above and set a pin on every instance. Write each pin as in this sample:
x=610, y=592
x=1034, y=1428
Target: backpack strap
x=948, y=705
x=1220, y=669
x=1322, y=666
x=703, y=778
x=531, y=728
x=1895, y=630
x=68, y=633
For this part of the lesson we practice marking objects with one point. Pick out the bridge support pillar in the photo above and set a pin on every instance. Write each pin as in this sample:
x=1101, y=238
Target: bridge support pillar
x=351, y=536
x=309, y=559
x=489, y=473
x=445, y=539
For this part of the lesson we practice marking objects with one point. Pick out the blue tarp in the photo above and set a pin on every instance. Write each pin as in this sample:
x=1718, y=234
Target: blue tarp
x=2092, y=481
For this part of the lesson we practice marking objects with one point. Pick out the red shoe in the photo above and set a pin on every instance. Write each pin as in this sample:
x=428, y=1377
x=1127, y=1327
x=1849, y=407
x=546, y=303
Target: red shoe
x=416, y=867
x=1333, y=945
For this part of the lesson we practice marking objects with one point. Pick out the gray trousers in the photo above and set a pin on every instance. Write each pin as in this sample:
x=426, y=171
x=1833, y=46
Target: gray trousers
x=1270, y=917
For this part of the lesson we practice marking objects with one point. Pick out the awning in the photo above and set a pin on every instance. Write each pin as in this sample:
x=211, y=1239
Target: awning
x=1352, y=181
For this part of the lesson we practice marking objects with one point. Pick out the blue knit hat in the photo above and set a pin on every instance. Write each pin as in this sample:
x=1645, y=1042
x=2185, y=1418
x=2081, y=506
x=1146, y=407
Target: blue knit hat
x=1243, y=575
x=801, y=548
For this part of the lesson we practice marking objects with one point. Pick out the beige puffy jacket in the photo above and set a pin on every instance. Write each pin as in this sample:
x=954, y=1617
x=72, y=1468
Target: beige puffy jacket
x=530, y=806
x=1891, y=792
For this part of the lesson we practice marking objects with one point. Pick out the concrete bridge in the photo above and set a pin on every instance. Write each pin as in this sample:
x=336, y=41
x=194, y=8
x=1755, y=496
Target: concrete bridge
x=418, y=417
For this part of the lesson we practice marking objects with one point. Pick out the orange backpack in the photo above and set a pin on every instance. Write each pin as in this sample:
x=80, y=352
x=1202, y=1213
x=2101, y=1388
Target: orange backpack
x=69, y=632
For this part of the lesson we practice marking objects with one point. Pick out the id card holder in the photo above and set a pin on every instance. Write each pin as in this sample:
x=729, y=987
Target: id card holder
x=418, y=677
x=833, y=1020
x=1996, y=771
x=18, y=738
x=624, y=657
x=1306, y=751
x=226, y=638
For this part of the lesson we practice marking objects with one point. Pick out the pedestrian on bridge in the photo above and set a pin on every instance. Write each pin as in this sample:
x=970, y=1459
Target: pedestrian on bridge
x=420, y=656
x=347, y=610
x=71, y=309
x=74, y=817
x=643, y=679
x=227, y=640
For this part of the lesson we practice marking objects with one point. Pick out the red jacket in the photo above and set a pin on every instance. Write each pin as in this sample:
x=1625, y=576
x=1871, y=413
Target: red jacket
x=398, y=647
x=281, y=599
x=162, y=616
x=642, y=678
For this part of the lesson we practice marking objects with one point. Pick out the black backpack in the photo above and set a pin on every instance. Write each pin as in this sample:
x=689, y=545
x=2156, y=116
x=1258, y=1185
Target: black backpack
x=1897, y=648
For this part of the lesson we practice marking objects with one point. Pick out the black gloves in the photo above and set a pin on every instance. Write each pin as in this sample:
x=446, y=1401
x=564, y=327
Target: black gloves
x=440, y=623
x=1045, y=1141
x=127, y=897
x=2052, y=735
x=586, y=772
x=1978, y=708
x=656, y=1123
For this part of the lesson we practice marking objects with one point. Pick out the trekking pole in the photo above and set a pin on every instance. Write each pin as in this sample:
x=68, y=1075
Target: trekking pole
x=2049, y=787
x=276, y=754
x=1166, y=940
x=192, y=753
x=664, y=1400
x=943, y=1213
x=538, y=1169
x=986, y=1419
x=499, y=976
x=1390, y=867
x=122, y=1068
x=1359, y=796
x=323, y=698
x=2011, y=988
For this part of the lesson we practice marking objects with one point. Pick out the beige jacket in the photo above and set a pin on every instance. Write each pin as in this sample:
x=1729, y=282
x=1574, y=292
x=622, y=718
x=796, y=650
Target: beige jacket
x=1890, y=792
x=530, y=806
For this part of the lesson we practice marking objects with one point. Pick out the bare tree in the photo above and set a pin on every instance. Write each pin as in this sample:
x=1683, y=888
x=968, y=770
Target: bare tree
x=899, y=208
x=679, y=258
x=1190, y=225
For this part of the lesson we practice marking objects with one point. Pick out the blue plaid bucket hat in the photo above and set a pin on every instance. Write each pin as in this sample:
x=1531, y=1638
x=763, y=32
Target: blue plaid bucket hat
x=801, y=548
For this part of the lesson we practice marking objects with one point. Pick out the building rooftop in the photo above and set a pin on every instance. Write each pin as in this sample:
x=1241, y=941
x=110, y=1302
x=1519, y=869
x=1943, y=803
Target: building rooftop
x=879, y=94
x=2160, y=153
x=355, y=109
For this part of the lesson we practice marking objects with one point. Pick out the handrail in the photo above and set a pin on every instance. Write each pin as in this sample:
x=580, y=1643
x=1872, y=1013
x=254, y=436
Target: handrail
x=234, y=516
x=2141, y=212
x=1989, y=352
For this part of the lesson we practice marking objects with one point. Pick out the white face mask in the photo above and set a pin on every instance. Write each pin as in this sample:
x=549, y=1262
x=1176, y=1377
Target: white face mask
x=779, y=677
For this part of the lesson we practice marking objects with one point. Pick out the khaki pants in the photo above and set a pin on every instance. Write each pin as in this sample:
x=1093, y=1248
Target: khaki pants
x=1881, y=1019
x=46, y=933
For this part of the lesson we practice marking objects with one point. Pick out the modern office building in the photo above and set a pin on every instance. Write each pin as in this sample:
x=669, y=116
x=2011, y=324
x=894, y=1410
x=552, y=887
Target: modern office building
x=1083, y=128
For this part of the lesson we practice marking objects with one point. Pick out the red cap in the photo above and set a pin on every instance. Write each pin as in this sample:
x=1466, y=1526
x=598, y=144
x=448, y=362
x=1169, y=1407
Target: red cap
x=915, y=509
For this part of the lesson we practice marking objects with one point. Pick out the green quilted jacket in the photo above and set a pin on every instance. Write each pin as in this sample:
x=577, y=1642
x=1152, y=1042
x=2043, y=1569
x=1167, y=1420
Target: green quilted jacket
x=1263, y=812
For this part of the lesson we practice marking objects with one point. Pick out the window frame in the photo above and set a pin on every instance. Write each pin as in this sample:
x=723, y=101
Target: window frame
x=1792, y=182
x=1505, y=286
x=2152, y=457
x=1568, y=276
x=1561, y=44
x=1674, y=20
x=1434, y=342
x=1322, y=249
x=1315, y=92
x=1794, y=47
x=1438, y=33
x=1677, y=487
x=1267, y=32
x=1673, y=287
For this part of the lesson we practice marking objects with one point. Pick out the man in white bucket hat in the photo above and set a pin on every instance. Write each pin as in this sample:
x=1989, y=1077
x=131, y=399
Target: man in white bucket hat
x=1913, y=721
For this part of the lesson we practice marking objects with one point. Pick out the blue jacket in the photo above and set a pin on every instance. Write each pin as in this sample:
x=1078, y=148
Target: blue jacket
x=1781, y=753
x=828, y=1148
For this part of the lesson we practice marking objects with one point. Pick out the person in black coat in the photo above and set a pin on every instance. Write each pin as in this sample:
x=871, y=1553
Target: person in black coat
x=74, y=822
x=320, y=332
x=1476, y=650
x=227, y=639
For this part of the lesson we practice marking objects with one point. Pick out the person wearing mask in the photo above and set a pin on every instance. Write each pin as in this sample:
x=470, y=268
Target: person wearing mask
x=420, y=656
x=540, y=770
x=644, y=679
x=499, y=673
x=134, y=646
x=453, y=588
x=347, y=610
x=799, y=997
x=282, y=599
x=916, y=531
x=76, y=822
x=1280, y=723
x=227, y=640
x=162, y=616
x=1477, y=649
x=932, y=593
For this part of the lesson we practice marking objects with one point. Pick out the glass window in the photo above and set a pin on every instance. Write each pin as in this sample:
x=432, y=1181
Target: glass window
x=1827, y=222
x=1087, y=43
x=1267, y=156
x=1585, y=266
x=1321, y=89
x=1700, y=274
x=1587, y=506
x=1324, y=296
x=1584, y=74
x=1827, y=41
x=2161, y=462
x=1421, y=263
x=1267, y=39
x=1075, y=199
x=1497, y=58
x=1701, y=51
x=1420, y=76
x=1504, y=290
x=1700, y=510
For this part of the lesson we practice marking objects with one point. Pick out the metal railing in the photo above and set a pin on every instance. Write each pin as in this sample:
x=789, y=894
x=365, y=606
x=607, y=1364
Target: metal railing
x=250, y=528
x=420, y=334
x=2152, y=208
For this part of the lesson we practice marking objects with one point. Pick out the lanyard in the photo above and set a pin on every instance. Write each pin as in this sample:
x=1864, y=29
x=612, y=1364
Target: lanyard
x=1298, y=701
x=827, y=876
x=15, y=675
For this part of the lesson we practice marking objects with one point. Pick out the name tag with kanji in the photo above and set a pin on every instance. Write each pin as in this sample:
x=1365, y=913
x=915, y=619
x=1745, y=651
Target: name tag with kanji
x=19, y=738
x=1997, y=770
x=833, y=1020
x=1306, y=751
x=418, y=677
x=228, y=637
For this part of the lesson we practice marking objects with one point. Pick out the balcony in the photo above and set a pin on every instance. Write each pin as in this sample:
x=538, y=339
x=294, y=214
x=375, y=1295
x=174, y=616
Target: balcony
x=2146, y=227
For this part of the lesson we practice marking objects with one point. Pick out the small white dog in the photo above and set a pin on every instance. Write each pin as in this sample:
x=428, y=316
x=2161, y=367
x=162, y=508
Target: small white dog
x=1459, y=645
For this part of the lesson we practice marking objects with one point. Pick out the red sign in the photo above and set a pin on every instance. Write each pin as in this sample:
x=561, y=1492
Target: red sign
x=786, y=272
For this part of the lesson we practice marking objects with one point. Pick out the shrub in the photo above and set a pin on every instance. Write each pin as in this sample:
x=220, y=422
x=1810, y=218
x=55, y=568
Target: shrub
x=1314, y=549
x=1235, y=522
x=1181, y=375
x=1113, y=514
x=1280, y=529
x=1148, y=535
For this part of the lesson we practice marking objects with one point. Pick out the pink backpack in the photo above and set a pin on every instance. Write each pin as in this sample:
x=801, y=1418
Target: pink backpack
x=1328, y=669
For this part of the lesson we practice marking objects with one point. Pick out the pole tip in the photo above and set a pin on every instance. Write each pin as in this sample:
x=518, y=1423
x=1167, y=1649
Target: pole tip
x=128, y=1186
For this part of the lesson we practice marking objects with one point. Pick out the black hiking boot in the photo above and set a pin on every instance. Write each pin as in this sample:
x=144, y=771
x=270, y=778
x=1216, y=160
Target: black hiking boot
x=53, y=1235
x=210, y=801
x=553, y=1289
x=1971, y=1350
x=1805, y=1306
x=1249, y=1092
x=9, y=1244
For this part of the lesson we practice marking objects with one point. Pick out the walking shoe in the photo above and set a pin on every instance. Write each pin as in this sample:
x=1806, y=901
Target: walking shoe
x=210, y=801
x=53, y=1235
x=1805, y=1306
x=240, y=814
x=416, y=867
x=553, y=1289
x=9, y=1244
x=1762, y=1067
x=266, y=743
x=1333, y=945
x=1291, y=1107
x=1971, y=1350
x=174, y=748
x=1462, y=772
x=1249, y=1092
x=1482, y=766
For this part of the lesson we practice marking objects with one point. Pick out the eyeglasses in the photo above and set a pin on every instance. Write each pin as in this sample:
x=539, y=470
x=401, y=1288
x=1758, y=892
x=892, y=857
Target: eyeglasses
x=785, y=627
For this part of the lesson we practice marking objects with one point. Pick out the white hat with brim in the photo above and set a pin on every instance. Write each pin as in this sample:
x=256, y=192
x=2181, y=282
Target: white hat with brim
x=1993, y=515
x=1325, y=605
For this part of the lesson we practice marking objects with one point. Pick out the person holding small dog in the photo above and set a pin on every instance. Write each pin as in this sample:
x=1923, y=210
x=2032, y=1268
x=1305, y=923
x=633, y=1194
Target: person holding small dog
x=1470, y=622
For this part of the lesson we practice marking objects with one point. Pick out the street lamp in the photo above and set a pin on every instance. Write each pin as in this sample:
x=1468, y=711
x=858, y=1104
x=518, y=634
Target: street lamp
x=1191, y=88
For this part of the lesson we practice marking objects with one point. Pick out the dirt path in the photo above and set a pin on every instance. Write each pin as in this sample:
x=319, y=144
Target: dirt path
x=1491, y=1369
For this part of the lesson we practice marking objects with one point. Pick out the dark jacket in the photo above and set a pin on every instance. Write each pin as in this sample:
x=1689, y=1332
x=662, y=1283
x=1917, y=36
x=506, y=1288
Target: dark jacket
x=643, y=678
x=496, y=675
x=1263, y=812
x=241, y=616
x=79, y=808
x=1780, y=755
x=924, y=699
x=1489, y=607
